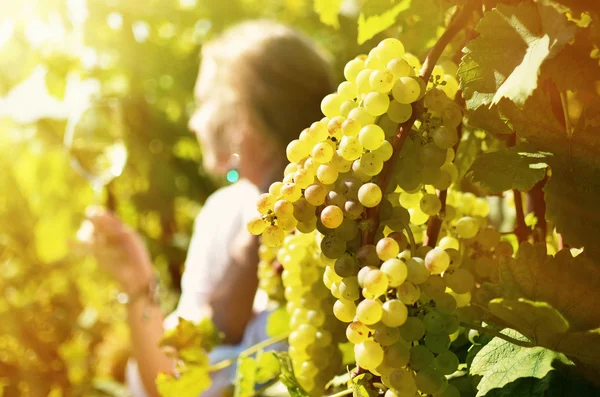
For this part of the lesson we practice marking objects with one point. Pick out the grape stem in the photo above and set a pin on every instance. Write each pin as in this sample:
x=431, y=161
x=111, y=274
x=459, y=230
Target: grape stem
x=456, y=25
x=498, y=334
x=342, y=393
x=251, y=350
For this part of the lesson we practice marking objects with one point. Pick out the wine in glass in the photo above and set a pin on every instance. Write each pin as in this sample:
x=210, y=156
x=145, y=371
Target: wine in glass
x=94, y=140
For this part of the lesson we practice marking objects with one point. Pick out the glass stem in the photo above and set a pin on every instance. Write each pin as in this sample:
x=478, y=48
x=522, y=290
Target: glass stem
x=98, y=189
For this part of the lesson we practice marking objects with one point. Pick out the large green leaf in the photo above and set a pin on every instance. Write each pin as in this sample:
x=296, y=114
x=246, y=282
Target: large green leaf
x=191, y=383
x=517, y=167
x=505, y=60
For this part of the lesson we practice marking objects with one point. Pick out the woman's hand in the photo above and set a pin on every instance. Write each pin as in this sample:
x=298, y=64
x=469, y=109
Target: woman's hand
x=119, y=250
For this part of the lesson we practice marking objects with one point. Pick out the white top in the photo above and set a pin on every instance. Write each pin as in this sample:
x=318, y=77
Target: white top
x=223, y=216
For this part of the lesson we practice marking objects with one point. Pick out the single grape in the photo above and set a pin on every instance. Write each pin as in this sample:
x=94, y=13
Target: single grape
x=399, y=68
x=395, y=270
x=330, y=105
x=375, y=284
x=467, y=227
x=417, y=272
x=352, y=69
x=272, y=236
x=386, y=336
x=332, y=216
x=376, y=103
x=344, y=310
x=371, y=136
x=357, y=332
x=412, y=330
x=397, y=355
x=387, y=248
x=369, y=195
x=430, y=204
x=430, y=381
x=406, y=90
x=420, y=357
x=347, y=90
x=382, y=80
x=394, y=313
x=256, y=226
x=460, y=281
x=369, y=311
x=390, y=48
x=368, y=354
x=437, y=261
x=408, y=293
x=446, y=362
x=399, y=112
x=444, y=137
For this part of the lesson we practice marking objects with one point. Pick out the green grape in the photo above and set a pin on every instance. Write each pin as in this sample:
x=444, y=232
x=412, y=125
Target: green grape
x=371, y=136
x=467, y=227
x=296, y=150
x=315, y=194
x=433, y=321
x=367, y=256
x=362, y=81
x=332, y=216
x=410, y=200
x=488, y=237
x=375, y=284
x=382, y=80
x=446, y=362
x=417, y=272
x=422, y=251
x=369, y=195
x=406, y=90
x=322, y=152
x=350, y=148
x=444, y=137
x=376, y=103
x=403, y=384
x=430, y=381
x=447, y=242
x=368, y=354
x=344, y=310
x=435, y=100
x=290, y=192
x=412, y=330
x=420, y=357
x=304, y=178
x=460, y=281
x=434, y=287
x=318, y=131
x=400, y=239
x=327, y=174
x=437, y=261
x=352, y=69
x=408, y=293
x=369, y=311
x=387, y=248
x=394, y=313
x=272, y=236
x=353, y=209
x=283, y=209
x=451, y=115
x=395, y=270
x=369, y=164
x=347, y=106
x=399, y=112
x=349, y=289
x=399, y=68
x=445, y=303
x=346, y=265
x=437, y=342
x=362, y=116
x=332, y=246
x=304, y=211
x=256, y=226
x=373, y=60
x=347, y=90
x=330, y=105
x=432, y=156
x=417, y=217
x=456, y=258
x=444, y=181
x=430, y=175
x=430, y=204
x=384, y=152
x=396, y=355
x=386, y=336
x=357, y=332
x=485, y=266
x=390, y=48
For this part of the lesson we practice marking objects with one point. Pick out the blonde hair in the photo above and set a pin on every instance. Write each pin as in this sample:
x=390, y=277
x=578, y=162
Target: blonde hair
x=270, y=71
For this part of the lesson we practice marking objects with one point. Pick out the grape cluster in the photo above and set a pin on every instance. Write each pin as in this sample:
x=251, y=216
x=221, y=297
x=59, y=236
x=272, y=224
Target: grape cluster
x=315, y=333
x=269, y=279
x=396, y=297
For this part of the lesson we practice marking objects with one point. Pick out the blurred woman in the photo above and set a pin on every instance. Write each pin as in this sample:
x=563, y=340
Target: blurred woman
x=259, y=85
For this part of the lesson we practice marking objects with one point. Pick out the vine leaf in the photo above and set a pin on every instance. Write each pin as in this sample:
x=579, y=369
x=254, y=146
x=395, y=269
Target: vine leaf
x=517, y=167
x=245, y=377
x=191, y=382
x=288, y=378
x=268, y=367
x=369, y=25
x=362, y=387
x=328, y=11
x=538, y=321
x=569, y=284
x=500, y=363
x=505, y=60
x=488, y=119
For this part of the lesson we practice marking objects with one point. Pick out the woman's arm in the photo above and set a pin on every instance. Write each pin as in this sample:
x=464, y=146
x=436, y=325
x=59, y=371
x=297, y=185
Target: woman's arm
x=231, y=301
x=121, y=251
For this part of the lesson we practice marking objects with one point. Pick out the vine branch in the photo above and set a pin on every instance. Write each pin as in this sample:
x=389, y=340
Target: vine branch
x=456, y=24
x=251, y=350
x=497, y=334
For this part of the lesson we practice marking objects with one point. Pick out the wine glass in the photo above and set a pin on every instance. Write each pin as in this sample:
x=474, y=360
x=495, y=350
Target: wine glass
x=94, y=140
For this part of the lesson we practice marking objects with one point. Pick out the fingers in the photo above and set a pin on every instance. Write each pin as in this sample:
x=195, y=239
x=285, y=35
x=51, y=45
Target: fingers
x=104, y=224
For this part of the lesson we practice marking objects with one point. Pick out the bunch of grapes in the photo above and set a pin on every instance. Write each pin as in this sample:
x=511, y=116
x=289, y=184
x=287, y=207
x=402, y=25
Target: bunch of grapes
x=314, y=333
x=269, y=278
x=397, y=298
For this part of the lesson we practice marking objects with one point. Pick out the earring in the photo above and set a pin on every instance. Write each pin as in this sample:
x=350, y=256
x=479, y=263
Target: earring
x=233, y=174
